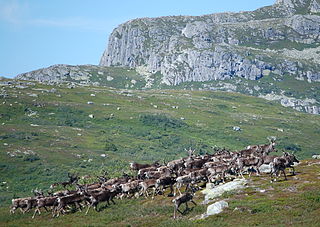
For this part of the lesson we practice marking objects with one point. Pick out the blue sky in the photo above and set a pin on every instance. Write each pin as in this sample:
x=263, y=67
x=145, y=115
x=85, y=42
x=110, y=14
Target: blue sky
x=39, y=33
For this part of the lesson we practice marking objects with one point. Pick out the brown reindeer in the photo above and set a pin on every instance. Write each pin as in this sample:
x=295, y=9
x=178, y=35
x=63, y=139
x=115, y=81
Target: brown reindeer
x=184, y=198
x=136, y=166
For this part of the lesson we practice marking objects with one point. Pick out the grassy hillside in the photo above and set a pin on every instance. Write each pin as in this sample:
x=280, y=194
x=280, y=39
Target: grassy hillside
x=46, y=131
x=295, y=202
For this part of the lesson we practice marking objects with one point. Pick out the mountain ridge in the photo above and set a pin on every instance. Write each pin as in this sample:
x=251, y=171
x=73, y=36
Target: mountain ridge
x=272, y=46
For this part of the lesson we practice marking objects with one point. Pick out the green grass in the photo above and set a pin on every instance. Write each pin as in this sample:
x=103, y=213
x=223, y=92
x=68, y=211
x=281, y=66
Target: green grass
x=62, y=138
x=277, y=206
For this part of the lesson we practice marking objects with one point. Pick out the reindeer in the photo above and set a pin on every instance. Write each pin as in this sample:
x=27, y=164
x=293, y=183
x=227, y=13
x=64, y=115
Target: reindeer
x=281, y=163
x=187, y=180
x=163, y=182
x=141, y=172
x=130, y=188
x=96, y=197
x=184, y=198
x=154, y=174
x=265, y=148
x=45, y=202
x=218, y=172
x=175, y=165
x=195, y=163
x=250, y=162
x=136, y=166
x=72, y=179
x=145, y=185
x=63, y=202
x=20, y=203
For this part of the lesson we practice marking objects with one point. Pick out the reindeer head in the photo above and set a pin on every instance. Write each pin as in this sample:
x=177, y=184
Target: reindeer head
x=272, y=140
x=190, y=152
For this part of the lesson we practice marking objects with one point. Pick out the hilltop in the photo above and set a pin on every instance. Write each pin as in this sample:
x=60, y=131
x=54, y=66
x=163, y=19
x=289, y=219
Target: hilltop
x=47, y=131
x=272, y=52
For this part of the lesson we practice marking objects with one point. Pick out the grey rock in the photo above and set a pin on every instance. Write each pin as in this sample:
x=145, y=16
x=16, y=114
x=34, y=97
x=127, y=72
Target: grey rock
x=213, y=47
x=265, y=168
x=217, y=207
x=236, y=128
x=212, y=192
x=316, y=156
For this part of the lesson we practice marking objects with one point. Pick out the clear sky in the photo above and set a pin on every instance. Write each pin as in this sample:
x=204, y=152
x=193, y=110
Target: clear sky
x=39, y=33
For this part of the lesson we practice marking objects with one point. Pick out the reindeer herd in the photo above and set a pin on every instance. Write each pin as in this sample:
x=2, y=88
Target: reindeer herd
x=153, y=179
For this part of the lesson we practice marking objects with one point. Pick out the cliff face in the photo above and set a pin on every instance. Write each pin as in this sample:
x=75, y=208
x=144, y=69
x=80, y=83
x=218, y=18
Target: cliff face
x=272, y=52
x=222, y=46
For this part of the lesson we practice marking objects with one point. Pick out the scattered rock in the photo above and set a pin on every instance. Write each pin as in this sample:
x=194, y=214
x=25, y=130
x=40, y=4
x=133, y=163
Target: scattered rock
x=236, y=128
x=109, y=78
x=216, y=208
x=212, y=191
x=316, y=156
x=265, y=168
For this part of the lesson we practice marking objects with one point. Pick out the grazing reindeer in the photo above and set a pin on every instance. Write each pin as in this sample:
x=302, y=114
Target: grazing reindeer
x=250, y=162
x=96, y=197
x=281, y=163
x=141, y=172
x=163, y=182
x=136, y=166
x=64, y=201
x=130, y=188
x=44, y=203
x=20, y=203
x=184, y=198
x=263, y=149
x=187, y=180
x=145, y=185
x=72, y=179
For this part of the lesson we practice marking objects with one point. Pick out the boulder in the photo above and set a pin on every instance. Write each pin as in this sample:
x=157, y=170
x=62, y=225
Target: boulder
x=265, y=168
x=212, y=192
x=316, y=156
x=216, y=208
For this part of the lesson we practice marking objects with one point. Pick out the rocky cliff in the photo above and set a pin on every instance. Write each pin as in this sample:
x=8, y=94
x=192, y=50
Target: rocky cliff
x=222, y=46
x=272, y=52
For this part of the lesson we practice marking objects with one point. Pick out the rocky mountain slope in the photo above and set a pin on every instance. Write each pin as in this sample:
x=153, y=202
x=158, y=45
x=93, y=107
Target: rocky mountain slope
x=258, y=53
x=280, y=39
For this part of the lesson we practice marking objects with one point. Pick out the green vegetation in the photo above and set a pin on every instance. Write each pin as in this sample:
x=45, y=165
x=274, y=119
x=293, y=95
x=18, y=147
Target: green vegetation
x=44, y=135
x=295, y=202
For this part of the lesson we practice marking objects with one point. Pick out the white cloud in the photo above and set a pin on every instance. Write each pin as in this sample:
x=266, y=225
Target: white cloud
x=16, y=13
x=72, y=22
x=12, y=11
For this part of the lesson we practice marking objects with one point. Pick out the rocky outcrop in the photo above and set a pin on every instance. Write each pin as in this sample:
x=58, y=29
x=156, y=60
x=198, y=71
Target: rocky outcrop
x=204, y=48
x=307, y=105
x=57, y=74
x=225, y=51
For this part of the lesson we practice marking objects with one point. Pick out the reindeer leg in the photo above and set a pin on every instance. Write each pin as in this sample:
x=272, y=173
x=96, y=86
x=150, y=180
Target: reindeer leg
x=187, y=208
x=258, y=171
x=88, y=209
x=284, y=173
x=179, y=211
x=34, y=213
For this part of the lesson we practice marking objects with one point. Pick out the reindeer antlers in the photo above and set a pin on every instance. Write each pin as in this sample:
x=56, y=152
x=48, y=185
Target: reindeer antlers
x=190, y=151
x=272, y=139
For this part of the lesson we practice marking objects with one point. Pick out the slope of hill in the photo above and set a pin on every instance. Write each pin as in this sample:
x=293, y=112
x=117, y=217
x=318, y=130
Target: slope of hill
x=47, y=130
x=295, y=202
x=272, y=52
